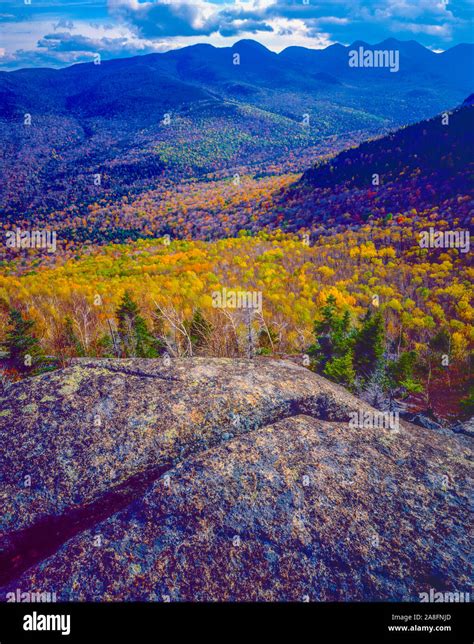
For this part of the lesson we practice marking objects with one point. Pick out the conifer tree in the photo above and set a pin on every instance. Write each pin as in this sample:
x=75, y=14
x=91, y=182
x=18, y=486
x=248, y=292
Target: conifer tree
x=24, y=351
x=323, y=349
x=134, y=336
x=200, y=331
x=400, y=373
x=341, y=370
x=332, y=351
x=369, y=344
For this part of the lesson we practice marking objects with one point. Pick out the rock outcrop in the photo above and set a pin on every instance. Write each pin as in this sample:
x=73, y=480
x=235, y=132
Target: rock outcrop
x=216, y=479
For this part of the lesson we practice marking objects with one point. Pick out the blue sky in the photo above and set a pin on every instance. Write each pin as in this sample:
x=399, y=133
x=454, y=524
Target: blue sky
x=61, y=32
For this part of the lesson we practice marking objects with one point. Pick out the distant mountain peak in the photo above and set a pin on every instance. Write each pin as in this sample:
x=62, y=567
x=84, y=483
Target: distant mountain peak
x=468, y=101
x=251, y=45
x=406, y=46
x=336, y=45
x=359, y=43
x=392, y=41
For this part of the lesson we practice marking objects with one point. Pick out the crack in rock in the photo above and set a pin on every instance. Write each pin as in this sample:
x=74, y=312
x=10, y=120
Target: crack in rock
x=32, y=545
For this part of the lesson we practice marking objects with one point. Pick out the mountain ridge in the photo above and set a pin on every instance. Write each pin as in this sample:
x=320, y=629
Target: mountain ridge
x=257, y=46
x=104, y=119
x=407, y=164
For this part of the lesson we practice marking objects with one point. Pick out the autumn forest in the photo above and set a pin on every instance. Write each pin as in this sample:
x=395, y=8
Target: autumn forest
x=323, y=219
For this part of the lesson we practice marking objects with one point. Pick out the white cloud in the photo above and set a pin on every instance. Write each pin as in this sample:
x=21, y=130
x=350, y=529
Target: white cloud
x=442, y=31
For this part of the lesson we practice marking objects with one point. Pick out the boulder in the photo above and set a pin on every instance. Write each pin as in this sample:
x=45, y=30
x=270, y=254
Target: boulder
x=217, y=479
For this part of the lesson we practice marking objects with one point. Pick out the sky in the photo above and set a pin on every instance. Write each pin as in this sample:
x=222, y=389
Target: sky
x=56, y=33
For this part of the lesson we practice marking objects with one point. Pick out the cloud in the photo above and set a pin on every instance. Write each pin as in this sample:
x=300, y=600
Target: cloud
x=158, y=19
x=443, y=31
x=346, y=20
x=61, y=49
x=155, y=19
x=67, y=42
x=115, y=47
x=58, y=32
x=164, y=18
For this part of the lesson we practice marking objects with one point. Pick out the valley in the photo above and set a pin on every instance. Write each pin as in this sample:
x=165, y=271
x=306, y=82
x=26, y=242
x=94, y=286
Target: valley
x=203, y=175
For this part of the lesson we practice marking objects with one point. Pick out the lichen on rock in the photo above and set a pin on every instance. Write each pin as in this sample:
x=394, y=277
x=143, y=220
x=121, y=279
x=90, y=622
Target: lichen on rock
x=218, y=479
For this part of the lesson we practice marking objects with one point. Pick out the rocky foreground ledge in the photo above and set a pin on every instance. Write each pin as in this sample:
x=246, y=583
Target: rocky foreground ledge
x=217, y=479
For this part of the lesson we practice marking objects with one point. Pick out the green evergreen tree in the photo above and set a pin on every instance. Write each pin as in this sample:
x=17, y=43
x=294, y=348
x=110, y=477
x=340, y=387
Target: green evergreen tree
x=343, y=335
x=200, y=331
x=400, y=373
x=323, y=348
x=332, y=350
x=369, y=344
x=326, y=325
x=134, y=336
x=23, y=349
x=341, y=370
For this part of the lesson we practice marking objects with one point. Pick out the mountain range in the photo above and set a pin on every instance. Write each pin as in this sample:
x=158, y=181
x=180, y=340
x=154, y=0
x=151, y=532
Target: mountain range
x=180, y=78
x=200, y=110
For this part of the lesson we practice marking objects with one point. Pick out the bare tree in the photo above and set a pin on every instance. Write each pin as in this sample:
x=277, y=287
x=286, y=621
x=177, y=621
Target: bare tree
x=180, y=333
